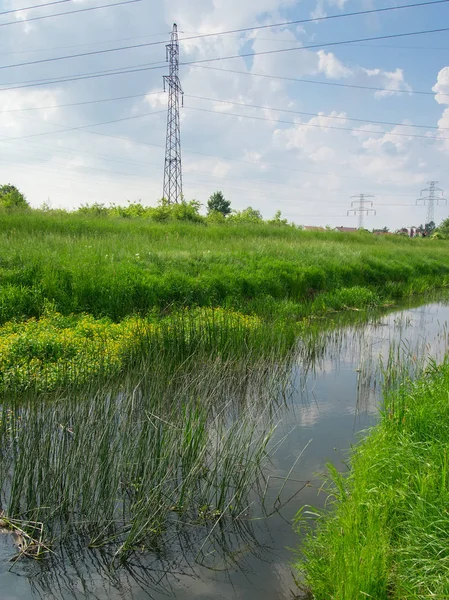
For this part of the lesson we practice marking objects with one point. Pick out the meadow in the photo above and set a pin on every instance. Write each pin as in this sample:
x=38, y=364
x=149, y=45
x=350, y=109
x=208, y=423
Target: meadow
x=119, y=267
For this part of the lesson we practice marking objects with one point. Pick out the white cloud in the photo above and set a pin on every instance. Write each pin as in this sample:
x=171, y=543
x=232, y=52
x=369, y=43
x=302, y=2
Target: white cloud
x=16, y=117
x=331, y=66
x=318, y=12
x=442, y=97
x=443, y=129
x=442, y=86
x=392, y=81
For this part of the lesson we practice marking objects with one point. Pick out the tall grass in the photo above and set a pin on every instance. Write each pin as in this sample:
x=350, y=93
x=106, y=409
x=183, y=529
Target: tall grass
x=383, y=533
x=121, y=465
x=114, y=267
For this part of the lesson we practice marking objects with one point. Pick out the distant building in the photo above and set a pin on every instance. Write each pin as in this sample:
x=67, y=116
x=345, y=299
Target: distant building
x=346, y=229
x=313, y=228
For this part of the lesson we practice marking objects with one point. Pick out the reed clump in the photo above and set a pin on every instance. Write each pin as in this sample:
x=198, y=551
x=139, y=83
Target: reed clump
x=170, y=445
x=383, y=533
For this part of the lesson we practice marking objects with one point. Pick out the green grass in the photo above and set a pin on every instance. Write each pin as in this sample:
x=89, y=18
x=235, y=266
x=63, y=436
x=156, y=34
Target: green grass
x=384, y=532
x=118, y=267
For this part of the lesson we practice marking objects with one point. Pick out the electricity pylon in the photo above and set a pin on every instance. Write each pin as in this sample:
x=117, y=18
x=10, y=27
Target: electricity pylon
x=364, y=207
x=431, y=200
x=172, y=171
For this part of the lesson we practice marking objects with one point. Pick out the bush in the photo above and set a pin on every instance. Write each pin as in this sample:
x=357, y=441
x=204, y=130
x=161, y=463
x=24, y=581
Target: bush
x=11, y=198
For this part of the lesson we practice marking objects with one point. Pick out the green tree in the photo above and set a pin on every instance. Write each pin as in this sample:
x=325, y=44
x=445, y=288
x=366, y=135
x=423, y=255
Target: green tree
x=247, y=215
x=218, y=203
x=443, y=230
x=11, y=198
x=429, y=228
x=277, y=219
x=97, y=209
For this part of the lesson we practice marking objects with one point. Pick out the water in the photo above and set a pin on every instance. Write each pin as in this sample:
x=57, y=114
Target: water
x=335, y=398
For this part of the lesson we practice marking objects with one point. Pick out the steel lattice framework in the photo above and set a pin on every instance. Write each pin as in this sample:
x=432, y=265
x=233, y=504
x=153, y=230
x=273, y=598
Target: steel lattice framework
x=173, y=170
x=431, y=200
x=363, y=207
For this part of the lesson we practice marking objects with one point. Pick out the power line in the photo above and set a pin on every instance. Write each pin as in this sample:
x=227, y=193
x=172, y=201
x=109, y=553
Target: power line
x=155, y=66
x=76, y=76
x=95, y=75
x=263, y=107
x=313, y=46
x=139, y=69
x=220, y=58
x=298, y=112
x=82, y=126
x=394, y=47
x=117, y=98
x=127, y=39
x=253, y=181
x=312, y=81
x=88, y=169
x=70, y=12
x=317, y=126
x=14, y=10
x=314, y=20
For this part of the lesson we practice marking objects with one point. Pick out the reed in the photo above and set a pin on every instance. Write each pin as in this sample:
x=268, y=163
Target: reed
x=120, y=464
x=382, y=533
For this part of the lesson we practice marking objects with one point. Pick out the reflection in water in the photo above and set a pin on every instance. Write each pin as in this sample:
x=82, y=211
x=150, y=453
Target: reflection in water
x=334, y=394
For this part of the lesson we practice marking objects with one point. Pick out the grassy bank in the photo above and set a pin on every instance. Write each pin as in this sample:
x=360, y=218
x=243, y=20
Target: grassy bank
x=385, y=528
x=117, y=267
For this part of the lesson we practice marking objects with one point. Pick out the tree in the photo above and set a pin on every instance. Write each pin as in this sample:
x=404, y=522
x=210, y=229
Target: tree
x=429, y=228
x=277, y=219
x=248, y=215
x=443, y=230
x=218, y=203
x=11, y=198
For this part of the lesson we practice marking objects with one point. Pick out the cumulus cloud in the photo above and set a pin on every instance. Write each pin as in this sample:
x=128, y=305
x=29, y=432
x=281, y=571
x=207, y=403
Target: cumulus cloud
x=392, y=81
x=318, y=12
x=331, y=66
x=441, y=88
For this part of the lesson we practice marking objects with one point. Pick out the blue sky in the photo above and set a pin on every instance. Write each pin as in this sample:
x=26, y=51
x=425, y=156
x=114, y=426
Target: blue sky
x=307, y=167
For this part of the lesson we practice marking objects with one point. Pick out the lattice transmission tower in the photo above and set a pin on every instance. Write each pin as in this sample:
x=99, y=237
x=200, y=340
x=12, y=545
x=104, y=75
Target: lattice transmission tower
x=363, y=207
x=431, y=200
x=173, y=170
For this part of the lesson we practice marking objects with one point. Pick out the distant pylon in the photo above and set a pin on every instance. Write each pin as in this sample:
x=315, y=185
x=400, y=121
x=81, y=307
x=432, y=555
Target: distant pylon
x=431, y=200
x=361, y=210
x=173, y=171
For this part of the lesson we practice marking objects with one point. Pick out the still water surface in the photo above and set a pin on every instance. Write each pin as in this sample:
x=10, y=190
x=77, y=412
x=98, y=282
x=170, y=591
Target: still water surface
x=335, y=398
